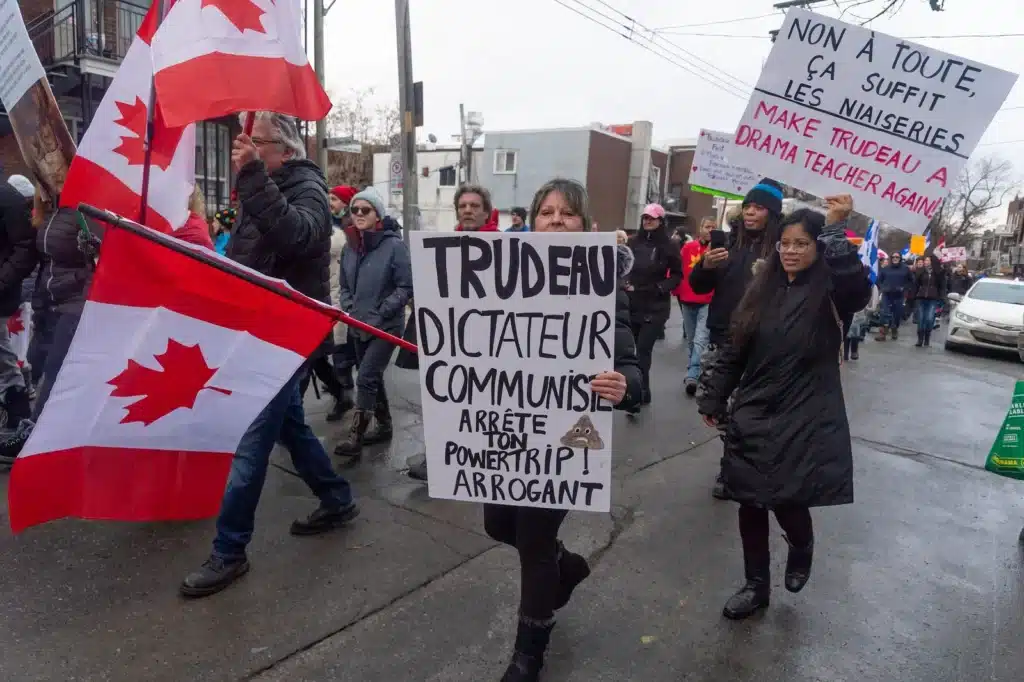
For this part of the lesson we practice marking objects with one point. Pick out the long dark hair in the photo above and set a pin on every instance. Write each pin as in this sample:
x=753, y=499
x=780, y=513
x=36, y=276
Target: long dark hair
x=771, y=278
x=769, y=235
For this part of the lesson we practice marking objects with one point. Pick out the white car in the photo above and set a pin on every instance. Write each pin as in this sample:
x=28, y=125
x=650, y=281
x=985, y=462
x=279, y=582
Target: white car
x=990, y=315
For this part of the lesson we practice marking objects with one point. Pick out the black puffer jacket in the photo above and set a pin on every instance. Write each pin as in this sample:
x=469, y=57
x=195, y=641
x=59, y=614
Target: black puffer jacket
x=929, y=285
x=284, y=226
x=657, y=270
x=728, y=281
x=17, y=247
x=625, y=345
x=787, y=438
x=65, y=272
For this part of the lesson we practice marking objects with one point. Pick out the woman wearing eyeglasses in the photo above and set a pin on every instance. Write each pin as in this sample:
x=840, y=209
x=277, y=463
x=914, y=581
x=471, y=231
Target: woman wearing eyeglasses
x=376, y=285
x=787, y=438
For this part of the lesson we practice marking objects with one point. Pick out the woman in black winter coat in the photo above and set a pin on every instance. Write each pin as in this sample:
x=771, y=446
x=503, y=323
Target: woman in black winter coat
x=548, y=571
x=787, y=438
x=929, y=290
x=657, y=270
x=727, y=271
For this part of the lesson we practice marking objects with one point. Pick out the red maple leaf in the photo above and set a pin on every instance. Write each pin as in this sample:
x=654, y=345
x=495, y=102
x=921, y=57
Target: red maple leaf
x=184, y=375
x=244, y=14
x=15, y=325
x=133, y=147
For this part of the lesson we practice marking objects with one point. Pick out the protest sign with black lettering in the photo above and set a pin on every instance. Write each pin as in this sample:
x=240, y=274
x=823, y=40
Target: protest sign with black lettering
x=840, y=108
x=714, y=170
x=511, y=330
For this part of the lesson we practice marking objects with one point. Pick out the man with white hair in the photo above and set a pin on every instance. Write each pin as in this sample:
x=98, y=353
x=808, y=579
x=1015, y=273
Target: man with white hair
x=283, y=230
x=18, y=258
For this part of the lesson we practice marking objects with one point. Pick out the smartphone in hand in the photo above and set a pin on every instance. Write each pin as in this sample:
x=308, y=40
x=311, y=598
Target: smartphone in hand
x=718, y=239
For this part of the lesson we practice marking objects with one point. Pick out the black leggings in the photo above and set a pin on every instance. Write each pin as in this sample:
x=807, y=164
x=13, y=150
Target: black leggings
x=534, y=534
x=795, y=521
x=646, y=335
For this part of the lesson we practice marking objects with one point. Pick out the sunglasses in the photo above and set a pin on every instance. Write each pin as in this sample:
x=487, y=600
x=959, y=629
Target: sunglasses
x=362, y=210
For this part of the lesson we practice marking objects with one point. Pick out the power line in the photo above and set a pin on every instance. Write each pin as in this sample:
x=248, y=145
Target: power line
x=628, y=32
x=717, y=23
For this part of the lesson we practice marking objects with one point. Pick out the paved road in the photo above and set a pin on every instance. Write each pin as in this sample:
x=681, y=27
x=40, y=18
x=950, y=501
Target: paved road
x=919, y=581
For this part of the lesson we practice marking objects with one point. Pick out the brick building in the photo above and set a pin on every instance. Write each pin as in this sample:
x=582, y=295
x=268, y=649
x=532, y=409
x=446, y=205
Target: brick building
x=81, y=44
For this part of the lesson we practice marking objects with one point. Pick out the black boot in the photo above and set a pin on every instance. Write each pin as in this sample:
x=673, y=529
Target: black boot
x=718, y=492
x=213, y=576
x=342, y=404
x=528, y=658
x=928, y=338
x=798, y=565
x=895, y=333
x=920, y=339
x=755, y=594
x=17, y=405
x=572, y=570
x=352, y=446
x=324, y=519
x=381, y=431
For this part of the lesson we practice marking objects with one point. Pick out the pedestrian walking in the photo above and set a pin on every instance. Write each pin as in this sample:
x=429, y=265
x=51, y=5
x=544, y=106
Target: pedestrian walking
x=694, y=306
x=376, y=286
x=650, y=288
x=18, y=259
x=725, y=273
x=929, y=291
x=787, y=442
x=894, y=280
x=284, y=231
x=548, y=571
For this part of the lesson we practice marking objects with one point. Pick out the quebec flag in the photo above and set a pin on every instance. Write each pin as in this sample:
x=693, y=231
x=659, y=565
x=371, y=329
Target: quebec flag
x=869, y=250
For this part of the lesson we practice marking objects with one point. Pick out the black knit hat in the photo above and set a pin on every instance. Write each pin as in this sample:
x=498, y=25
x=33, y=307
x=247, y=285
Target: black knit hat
x=766, y=193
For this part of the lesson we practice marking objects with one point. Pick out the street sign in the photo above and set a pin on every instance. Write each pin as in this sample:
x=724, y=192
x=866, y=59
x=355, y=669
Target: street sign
x=343, y=144
x=396, y=174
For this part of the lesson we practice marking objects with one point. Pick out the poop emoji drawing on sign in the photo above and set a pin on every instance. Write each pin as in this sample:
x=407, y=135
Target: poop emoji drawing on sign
x=583, y=434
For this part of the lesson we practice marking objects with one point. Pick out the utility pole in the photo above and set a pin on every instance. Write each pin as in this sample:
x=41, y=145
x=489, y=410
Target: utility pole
x=406, y=100
x=463, y=159
x=318, y=65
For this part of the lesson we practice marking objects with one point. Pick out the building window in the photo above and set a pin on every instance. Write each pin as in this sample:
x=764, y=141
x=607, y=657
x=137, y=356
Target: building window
x=213, y=162
x=447, y=178
x=505, y=162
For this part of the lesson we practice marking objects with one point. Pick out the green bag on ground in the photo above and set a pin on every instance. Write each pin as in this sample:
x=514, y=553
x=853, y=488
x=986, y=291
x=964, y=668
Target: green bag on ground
x=1007, y=455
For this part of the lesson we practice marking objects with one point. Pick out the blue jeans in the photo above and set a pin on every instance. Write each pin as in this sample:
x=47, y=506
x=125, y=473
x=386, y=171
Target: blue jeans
x=695, y=317
x=892, y=309
x=373, y=356
x=926, y=315
x=282, y=419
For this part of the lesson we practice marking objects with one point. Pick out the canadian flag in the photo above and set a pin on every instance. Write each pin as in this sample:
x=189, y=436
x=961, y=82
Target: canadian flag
x=172, y=361
x=19, y=331
x=107, y=170
x=245, y=55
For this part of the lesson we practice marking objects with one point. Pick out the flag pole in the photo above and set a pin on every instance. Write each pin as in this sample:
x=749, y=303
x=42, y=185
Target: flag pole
x=207, y=258
x=161, y=8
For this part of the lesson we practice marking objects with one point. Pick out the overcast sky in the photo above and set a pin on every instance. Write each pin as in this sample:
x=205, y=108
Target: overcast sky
x=537, y=64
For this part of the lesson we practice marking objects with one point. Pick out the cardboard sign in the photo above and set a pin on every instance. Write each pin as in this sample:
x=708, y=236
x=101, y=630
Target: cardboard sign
x=843, y=109
x=38, y=124
x=953, y=254
x=511, y=330
x=713, y=170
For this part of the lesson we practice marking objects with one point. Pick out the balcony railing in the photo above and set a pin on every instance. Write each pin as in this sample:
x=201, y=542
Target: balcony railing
x=84, y=28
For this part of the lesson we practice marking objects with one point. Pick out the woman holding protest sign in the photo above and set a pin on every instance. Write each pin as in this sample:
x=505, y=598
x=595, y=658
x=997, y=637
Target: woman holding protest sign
x=787, y=438
x=549, y=572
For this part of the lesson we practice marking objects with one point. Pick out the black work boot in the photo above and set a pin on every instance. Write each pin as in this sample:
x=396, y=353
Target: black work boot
x=382, y=430
x=342, y=404
x=325, y=519
x=895, y=333
x=352, y=445
x=418, y=469
x=920, y=339
x=17, y=404
x=798, y=565
x=755, y=594
x=12, y=446
x=928, y=338
x=572, y=570
x=528, y=658
x=213, y=576
x=718, y=492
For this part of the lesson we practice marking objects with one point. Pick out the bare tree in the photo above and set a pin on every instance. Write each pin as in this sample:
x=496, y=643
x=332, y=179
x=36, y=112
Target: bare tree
x=358, y=117
x=981, y=187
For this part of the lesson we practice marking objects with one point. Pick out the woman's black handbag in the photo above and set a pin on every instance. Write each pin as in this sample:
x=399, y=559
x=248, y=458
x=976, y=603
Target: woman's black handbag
x=407, y=359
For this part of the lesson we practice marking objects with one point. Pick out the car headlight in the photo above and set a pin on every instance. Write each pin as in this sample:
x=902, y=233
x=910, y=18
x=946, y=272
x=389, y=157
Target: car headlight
x=963, y=317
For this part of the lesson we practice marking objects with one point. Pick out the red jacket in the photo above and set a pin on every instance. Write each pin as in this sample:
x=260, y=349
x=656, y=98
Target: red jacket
x=691, y=253
x=195, y=231
x=490, y=226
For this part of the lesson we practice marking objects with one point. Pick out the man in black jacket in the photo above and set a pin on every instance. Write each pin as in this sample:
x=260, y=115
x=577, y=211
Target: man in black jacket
x=283, y=230
x=18, y=258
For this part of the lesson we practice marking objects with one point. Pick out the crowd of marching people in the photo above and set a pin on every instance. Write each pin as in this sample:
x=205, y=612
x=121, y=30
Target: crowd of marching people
x=770, y=309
